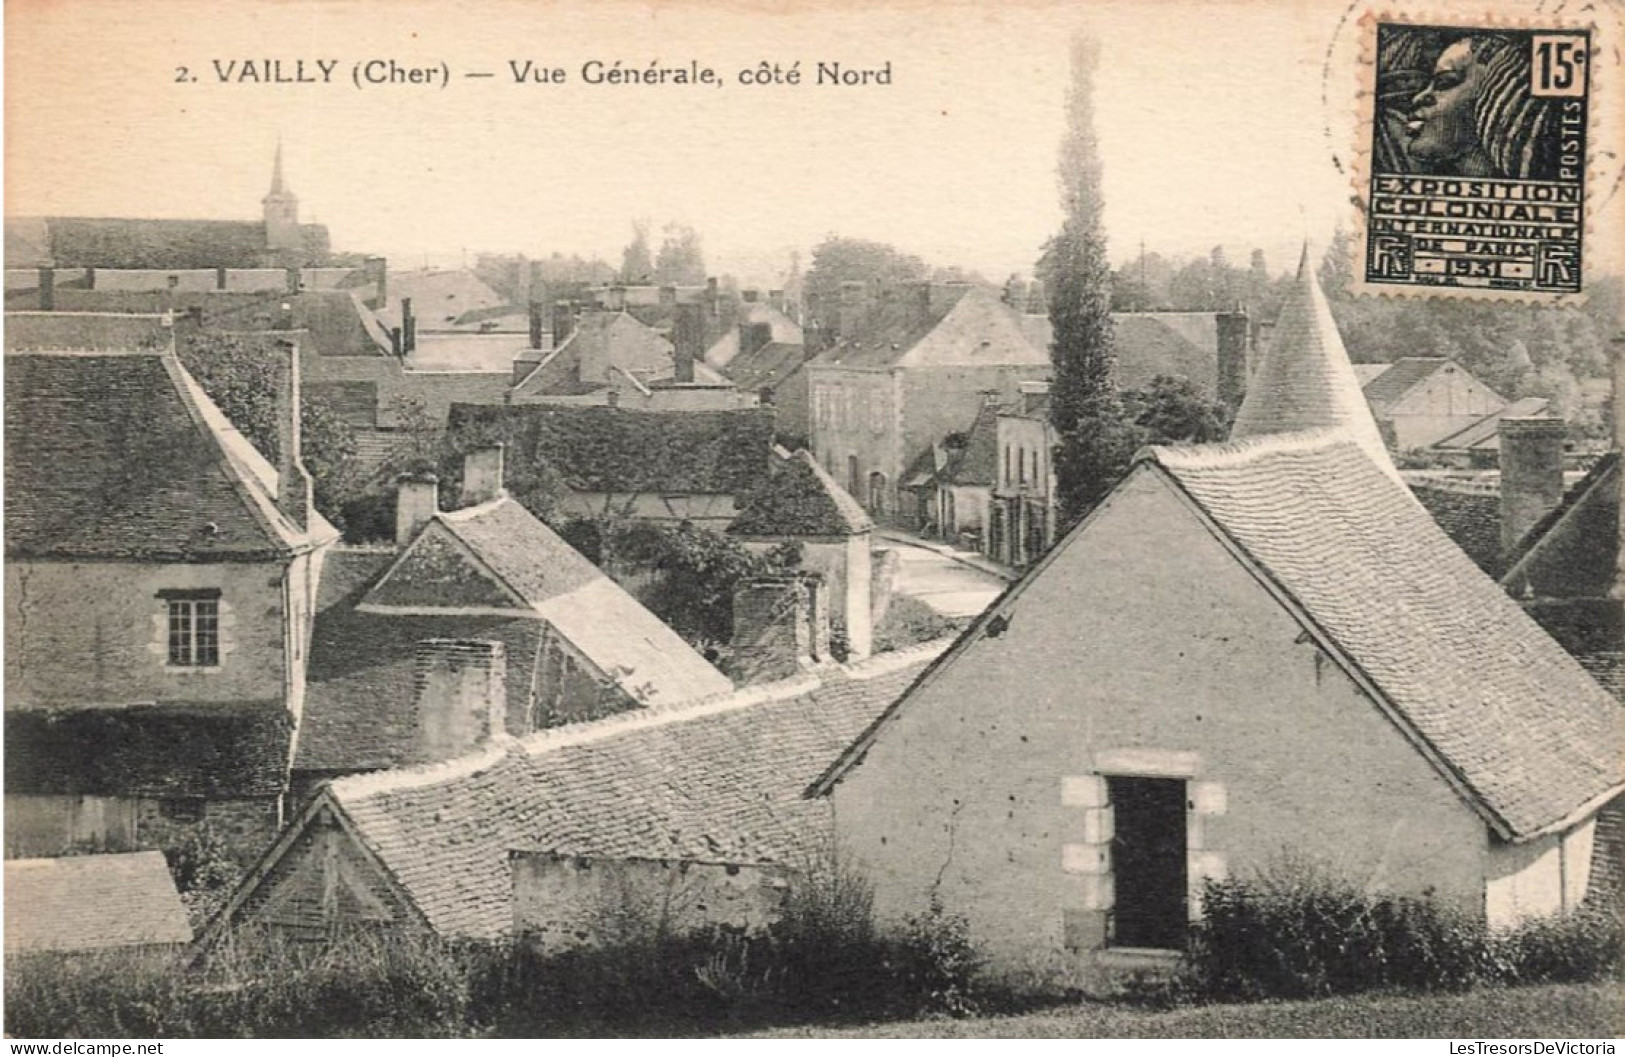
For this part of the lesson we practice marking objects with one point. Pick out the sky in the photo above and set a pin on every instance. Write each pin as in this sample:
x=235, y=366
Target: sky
x=1228, y=122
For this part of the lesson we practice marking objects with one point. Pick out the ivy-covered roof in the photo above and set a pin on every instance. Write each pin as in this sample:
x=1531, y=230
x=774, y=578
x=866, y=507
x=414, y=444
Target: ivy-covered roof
x=799, y=498
x=615, y=450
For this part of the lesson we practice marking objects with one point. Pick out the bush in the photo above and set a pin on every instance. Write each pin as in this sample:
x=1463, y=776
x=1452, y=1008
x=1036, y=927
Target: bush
x=1586, y=945
x=1294, y=932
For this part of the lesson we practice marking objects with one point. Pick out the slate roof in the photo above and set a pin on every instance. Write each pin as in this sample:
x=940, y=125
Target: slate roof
x=800, y=499
x=1403, y=375
x=769, y=367
x=977, y=463
x=121, y=455
x=92, y=902
x=1179, y=344
x=617, y=450
x=1471, y=518
x=716, y=780
x=1531, y=736
x=1573, y=551
x=439, y=297
x=963, y=326
x=601, y=343
x=783, y=331
x=1305, y=380
x=1485, y=433
x=167, y=749
x=500, y=556
x=1367, y=373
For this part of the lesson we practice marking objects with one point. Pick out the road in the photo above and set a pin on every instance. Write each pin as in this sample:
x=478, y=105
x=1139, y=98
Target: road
x=951, y=587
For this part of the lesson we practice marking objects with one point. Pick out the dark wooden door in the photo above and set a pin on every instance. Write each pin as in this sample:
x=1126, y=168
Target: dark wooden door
x=1148, y=862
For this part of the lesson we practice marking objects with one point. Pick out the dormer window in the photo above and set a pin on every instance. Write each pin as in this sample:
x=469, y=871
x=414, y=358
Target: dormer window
x=194, y=628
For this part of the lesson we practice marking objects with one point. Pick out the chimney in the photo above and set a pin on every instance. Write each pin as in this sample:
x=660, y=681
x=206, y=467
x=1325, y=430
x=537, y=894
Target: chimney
x=564, y=322
x=536, y=286
x=460, y=697
x=688, y=340
x=482, y=475
x=395, y=340
x=1234, y=329
x=90, y=278
x=409, y=327
x=615, y=298
x=854, y=304
x=668, y=296
x=417, y=499
x=777, y=630
x=219, y=278
x=47, y=289
x=290, y=280
x=775, y=300
x=537, y=324
x=376, y=270
x=750, y=297
x=293, y=496
x=1531, y=475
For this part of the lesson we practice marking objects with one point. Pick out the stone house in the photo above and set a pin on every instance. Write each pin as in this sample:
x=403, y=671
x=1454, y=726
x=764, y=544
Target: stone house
x=1284, y=657
x=161, y=579
x=514, y=837
x=489, y=597
x=800, y=503
x=965, y=482
x=1022, y=521
x=1421, y=400
x=908, y=366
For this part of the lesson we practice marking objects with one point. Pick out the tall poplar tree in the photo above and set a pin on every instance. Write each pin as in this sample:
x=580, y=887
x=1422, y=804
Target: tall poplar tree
x=1095, y=442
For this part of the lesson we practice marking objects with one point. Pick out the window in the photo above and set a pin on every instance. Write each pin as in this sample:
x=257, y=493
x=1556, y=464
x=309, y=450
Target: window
x=194, y=628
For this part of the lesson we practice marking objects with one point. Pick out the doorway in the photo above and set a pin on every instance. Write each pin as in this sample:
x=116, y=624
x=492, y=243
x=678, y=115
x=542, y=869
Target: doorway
x=1149, y=862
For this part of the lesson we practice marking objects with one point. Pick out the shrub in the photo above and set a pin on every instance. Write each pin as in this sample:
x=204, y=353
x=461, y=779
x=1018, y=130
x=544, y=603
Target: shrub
x=1295, y=932
x=1588, y=944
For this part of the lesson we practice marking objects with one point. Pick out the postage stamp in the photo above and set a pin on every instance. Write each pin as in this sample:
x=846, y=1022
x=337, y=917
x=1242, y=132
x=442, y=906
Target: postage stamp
x=1477, y=159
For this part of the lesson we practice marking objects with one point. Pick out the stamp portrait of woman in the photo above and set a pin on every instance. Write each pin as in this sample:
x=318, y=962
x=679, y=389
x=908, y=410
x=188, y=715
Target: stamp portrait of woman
x=1470, y=110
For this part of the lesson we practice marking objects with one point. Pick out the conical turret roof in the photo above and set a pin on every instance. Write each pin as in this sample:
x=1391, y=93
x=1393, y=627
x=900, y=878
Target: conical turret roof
x=1306, y=381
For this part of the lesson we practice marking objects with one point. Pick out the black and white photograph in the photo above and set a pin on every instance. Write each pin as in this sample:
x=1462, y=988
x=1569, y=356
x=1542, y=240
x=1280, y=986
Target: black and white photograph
x=800, y=519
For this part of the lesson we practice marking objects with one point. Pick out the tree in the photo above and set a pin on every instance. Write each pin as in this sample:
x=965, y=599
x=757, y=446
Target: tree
x=680, y=261
x=838, y=259
x=637, y=265
x=1094, y=444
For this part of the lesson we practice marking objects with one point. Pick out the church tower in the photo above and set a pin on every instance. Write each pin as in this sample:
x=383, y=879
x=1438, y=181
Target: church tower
x=281, y=213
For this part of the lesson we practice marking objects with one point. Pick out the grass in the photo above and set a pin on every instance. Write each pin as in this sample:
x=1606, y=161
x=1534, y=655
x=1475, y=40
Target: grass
x=1572, y=1011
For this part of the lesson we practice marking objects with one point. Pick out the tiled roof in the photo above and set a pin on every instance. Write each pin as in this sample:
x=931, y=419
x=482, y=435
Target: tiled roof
x=1305, y=381
x=602, y=343
x=122, y=456
x=977, y=463
x=1514, y=717
x=92, y=902
x=719, y=780
x=800, y=499
x=1471, y=518
x=1485, y=433
x=1573, y=551
x=500, y=556
x=169, y=749
x=608, y=449
x=1179, y=344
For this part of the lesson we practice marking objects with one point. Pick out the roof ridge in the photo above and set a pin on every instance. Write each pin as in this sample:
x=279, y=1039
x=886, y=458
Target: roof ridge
x=1241, y=450
x=555, y=738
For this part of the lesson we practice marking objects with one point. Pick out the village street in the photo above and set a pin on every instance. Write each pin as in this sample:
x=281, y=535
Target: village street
x=954, y=583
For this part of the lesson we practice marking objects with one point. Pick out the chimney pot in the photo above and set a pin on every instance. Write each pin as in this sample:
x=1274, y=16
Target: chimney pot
x=293, y=497
x=417, y=498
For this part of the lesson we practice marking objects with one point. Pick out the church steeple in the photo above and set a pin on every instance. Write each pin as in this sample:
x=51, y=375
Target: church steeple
x=281, y=209
x=1306, y=381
